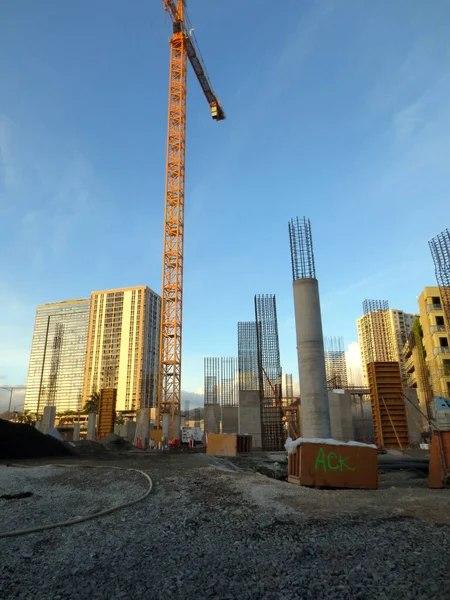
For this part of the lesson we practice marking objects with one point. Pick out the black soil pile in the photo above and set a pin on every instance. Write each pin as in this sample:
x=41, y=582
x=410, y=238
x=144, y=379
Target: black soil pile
x=18, y=440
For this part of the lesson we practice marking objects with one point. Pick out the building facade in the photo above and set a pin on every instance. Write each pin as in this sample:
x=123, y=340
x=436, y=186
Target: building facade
x=428, y=360
x=123, y=346
x=57, y=359
x=382, y=335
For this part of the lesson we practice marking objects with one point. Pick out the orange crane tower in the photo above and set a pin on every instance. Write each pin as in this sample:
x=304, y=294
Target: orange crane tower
x=182, y=46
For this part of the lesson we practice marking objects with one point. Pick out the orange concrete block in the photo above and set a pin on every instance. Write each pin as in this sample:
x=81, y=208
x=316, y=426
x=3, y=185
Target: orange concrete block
x=439, y=453
x=334, y=466
x=222, y=444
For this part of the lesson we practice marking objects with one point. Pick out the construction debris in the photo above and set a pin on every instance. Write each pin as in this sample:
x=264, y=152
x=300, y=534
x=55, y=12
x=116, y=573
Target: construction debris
x=18, y=440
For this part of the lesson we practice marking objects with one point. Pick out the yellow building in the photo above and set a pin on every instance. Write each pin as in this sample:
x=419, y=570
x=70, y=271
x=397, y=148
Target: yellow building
x=382, y=335
x=57, y=359
x=435, y=340
x=123, y=346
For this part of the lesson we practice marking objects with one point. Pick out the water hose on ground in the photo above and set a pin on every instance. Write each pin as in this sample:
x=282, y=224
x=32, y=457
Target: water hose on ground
x=75, y=521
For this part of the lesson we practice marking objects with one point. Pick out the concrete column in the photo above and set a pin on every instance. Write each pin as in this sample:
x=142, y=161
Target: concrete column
x=212, y=418
x=38, y=425
x=314, y=412
x=341, y=417
x=142, y=433
x=48, y=419
x=91, y=426
x=166, y=426
x=76, y=432
x=177, y=427
x=230, y=419
x=413, y=416
x=250, y=415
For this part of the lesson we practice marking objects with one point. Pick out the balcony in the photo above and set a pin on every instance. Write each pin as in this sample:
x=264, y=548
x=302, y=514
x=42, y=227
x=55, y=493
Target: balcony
x=411, y=379
x=431, y=307
x=442, y=350
x=445, y=372
x=436, y=328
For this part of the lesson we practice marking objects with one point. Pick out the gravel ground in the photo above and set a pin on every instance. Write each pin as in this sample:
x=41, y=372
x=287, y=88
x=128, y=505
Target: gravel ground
x=214, y=531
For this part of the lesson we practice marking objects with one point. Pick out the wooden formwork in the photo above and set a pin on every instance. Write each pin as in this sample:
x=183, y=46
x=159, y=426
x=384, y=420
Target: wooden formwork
x=334, y=466
x=438, y=472
x=388, y=406
x=228, y=444
x=106, y=412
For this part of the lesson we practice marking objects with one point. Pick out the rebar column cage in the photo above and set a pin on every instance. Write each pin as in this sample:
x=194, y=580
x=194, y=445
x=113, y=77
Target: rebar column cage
x=269, y=371
x=380, y=347
x=228, y=393
x=302, y=252
x=440, y=251
x=335, y=363
x=248, y=356
x=211, y=381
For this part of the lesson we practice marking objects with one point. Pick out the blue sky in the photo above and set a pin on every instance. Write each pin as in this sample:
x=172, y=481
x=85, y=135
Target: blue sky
x=336, y=110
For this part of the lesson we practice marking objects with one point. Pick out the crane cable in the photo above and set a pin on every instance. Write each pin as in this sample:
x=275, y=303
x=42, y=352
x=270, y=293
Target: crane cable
x=76, y=520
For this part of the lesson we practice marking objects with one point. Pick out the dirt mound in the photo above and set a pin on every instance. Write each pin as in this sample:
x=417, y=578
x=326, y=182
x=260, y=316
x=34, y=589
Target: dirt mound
x=88, y=448
x=115, y=443
x=18, y=440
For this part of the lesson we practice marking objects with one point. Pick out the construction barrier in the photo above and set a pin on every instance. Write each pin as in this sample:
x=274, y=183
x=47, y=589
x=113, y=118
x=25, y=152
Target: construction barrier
x=228, y=444
x=438, y=473
x=334, y=466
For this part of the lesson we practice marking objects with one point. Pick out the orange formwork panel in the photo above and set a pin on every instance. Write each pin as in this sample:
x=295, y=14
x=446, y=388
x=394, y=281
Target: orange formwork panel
x=439, y=459
x=388, y=405
x=228, y=444
x=106, y=412
x=334, y=466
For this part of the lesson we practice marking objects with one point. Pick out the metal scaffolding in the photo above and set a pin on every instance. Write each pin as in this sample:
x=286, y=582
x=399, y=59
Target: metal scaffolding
x=269, y=372
x=335, y=363
x=302, y=254
x=212, y=379
x=440, y=251
x=248, y=356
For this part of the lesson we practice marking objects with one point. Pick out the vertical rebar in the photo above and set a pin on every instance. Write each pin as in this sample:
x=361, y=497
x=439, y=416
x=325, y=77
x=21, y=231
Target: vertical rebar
x=440, y=251
x=269, y=371
x=247, y=356
x=335, y=363
x=302, y=254
x=211, y=380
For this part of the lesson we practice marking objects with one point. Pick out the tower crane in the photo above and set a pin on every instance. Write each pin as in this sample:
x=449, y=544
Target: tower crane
x=183, y=45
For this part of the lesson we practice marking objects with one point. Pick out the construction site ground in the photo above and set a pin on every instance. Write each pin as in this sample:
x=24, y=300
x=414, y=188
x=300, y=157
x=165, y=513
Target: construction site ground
x=218, y=528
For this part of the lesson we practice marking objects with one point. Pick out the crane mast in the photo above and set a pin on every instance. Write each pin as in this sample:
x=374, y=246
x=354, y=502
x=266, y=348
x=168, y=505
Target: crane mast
x=182, y=47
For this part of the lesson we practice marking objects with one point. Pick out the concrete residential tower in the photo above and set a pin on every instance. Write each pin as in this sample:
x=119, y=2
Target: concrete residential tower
x=58, y=353
x=315, y=415
x=123, y=346
x=382, y=336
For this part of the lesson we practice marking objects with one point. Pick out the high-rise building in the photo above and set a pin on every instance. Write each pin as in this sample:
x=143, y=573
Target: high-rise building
x=123, y=346
x=382, y=335
x=58, y=353
x=428, y=360
x=335, y=362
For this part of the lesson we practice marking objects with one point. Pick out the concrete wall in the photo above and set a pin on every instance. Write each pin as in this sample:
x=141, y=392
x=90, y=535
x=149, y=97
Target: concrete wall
x=341, y=418
x=212, y=418
x=413, y=416
x=250, y=415
x=314, y=414
x=230, y=419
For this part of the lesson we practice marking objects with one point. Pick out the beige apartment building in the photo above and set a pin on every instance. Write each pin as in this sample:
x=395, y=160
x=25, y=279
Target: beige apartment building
x=123, y=346
x=428, y=361
x=382, y=335
x=57, y=358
